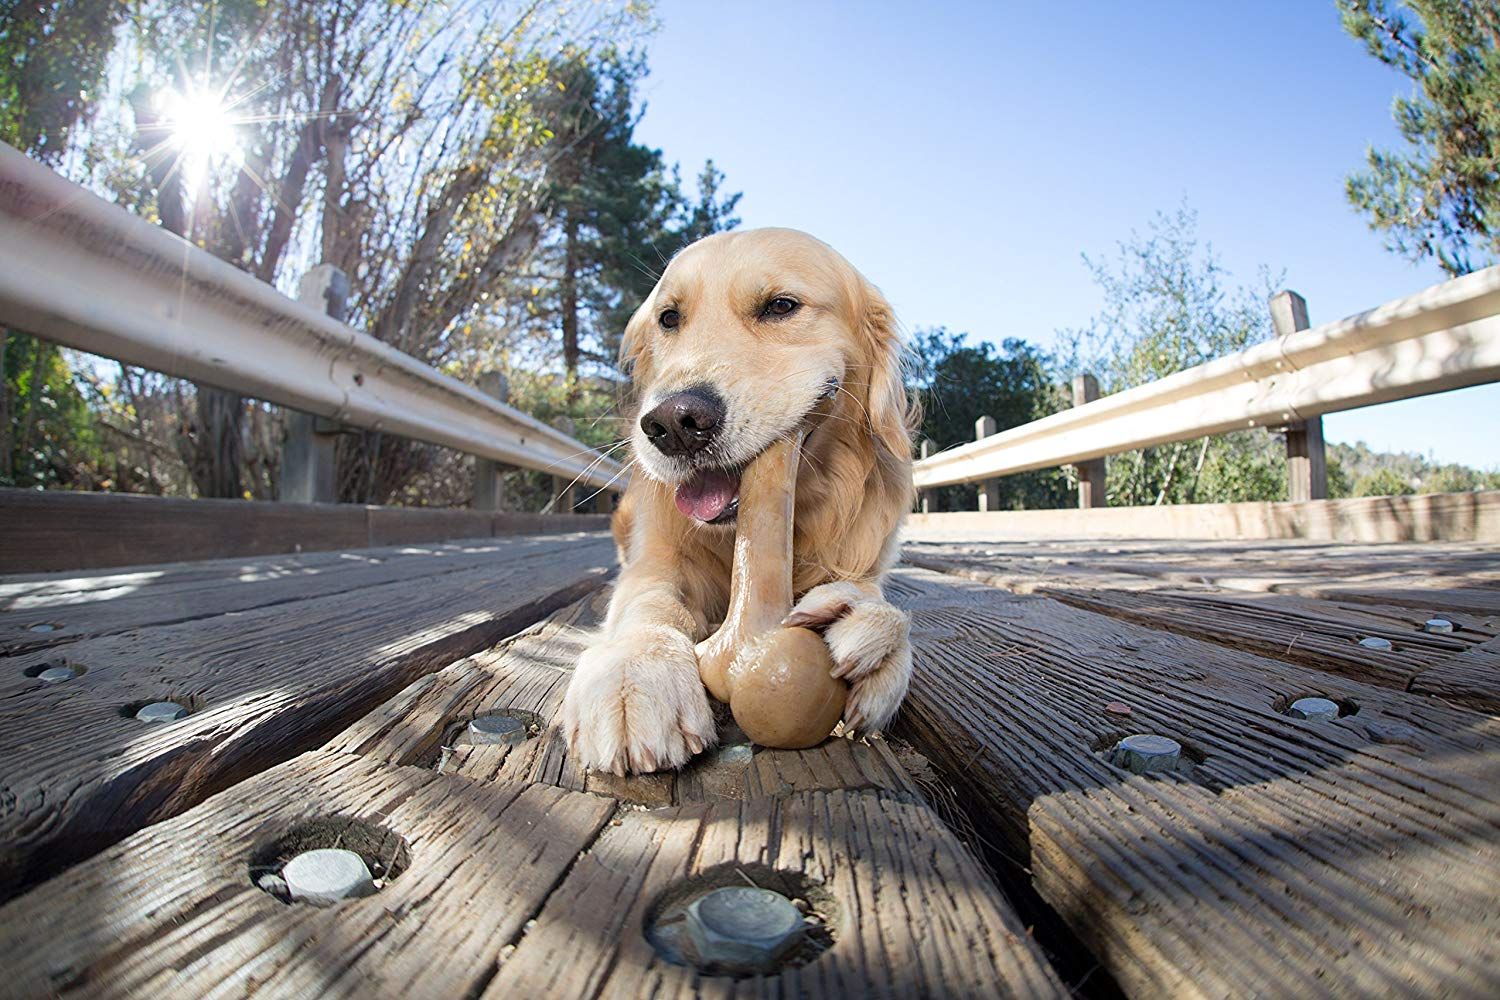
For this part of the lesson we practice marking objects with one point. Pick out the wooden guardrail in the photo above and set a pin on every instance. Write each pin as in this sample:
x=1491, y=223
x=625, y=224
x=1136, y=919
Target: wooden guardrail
x=80, y=271
x=1446, y=337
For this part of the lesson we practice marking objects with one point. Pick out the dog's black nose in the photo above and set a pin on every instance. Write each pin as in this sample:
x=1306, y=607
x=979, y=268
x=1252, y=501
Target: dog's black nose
x=685, y=422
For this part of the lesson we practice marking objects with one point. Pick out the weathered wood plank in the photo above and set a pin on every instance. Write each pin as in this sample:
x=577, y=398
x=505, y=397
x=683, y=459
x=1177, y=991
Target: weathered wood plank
x=81, y=611
x=1324, y=635
x=1427, y=517
x=263, y=685
x=1357, y=856
x=911, y=912
x=527, y=676
x=55, y=530
x=1471, y=678
x=171, y=911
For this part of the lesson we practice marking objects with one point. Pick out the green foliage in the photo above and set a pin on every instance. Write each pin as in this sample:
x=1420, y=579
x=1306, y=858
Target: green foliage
x=958, y=383
x=52, y=54
x=1169, y=305
x=1369, y=470
x=1382, y=483
x=47, y=436
x=1440, y=198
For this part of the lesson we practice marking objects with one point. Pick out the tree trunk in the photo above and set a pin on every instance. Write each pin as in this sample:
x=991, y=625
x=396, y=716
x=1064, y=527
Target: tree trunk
x=6, y=472
x=570, y=306
x=220, y=447
x=217, y=446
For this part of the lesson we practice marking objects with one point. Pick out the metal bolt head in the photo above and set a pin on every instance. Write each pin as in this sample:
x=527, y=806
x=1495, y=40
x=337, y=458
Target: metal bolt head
x=43, y=627
x=743, y=929
x=1143, y=753
x=1439, y=626
x=1375, y=642
x=734, y=753
x=162, y=711
x=496, y=730
x=1314, y=709
x=56, y=675
x=326, y=876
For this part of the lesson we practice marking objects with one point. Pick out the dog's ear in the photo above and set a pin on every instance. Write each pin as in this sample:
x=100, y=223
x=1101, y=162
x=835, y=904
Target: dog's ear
x=891, y=412
x=633, y=342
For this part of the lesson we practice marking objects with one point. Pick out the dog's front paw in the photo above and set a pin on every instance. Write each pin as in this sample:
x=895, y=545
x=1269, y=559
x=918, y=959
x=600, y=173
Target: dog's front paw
x=635, y=703
x=870, y=642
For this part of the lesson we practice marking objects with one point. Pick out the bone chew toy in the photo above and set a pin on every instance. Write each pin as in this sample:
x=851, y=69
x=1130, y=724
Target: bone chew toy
x=775, y=679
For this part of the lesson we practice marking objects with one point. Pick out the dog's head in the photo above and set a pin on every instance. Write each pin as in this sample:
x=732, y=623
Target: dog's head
x=742, y=337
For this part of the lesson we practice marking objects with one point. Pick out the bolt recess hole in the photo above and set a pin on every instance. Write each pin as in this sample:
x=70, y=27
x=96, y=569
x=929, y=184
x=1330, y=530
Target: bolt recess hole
x=55, y=671
x=158, y=710
x=1284, y=703
x=44, y=627
x=384, y=853
x=682, y=921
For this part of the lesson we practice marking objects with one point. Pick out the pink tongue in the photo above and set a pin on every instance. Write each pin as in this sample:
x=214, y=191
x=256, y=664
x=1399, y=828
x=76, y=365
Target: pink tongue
x=705, y=496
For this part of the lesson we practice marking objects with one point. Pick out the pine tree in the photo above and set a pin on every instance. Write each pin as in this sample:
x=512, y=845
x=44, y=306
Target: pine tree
x=1439, y=199
x=620, y=215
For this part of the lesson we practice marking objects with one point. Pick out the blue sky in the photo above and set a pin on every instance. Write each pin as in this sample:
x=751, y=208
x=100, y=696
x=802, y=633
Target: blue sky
x=964, y=155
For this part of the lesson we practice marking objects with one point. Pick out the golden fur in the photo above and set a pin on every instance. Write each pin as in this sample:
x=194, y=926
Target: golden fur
x=635, y=702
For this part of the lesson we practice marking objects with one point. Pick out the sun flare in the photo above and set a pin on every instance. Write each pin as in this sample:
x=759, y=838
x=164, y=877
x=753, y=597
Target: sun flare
x=203, y=130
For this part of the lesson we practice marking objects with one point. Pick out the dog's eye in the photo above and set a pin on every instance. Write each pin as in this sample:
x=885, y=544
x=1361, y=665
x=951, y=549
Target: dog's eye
x=669, y=319
x=780, y=306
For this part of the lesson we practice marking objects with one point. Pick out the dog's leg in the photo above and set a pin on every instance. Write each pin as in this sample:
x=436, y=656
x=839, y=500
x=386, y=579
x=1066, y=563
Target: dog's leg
x=635, y=702
x=871, y=646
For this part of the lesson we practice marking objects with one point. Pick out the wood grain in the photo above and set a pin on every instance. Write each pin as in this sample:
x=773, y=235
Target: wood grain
x=1470, y=678
x=56, y=530
x=1354, y=857
x=103, y=603
x=1323, y=634
x=264, y=685
x=171, y=910
x=528, y=674
x=911, y=911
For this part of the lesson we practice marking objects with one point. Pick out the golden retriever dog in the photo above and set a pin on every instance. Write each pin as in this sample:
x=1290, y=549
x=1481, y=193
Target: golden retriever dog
x=742, y=337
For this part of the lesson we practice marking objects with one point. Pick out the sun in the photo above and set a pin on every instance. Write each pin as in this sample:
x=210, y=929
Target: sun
x=202, y=128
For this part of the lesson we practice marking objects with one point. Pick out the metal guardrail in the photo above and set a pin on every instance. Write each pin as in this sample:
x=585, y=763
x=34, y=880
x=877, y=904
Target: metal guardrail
x=80, y=271
x=1446, y=337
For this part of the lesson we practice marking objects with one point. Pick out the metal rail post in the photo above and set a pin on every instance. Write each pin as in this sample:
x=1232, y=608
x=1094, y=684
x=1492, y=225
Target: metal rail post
x=309, y=467
x=1090, y=473
x=1306, y=461
x=925, y=498
x=489, y=488
x=989, y=490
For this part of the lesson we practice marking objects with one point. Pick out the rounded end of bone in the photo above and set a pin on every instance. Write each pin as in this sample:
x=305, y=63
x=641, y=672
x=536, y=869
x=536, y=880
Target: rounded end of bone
x=784, y=696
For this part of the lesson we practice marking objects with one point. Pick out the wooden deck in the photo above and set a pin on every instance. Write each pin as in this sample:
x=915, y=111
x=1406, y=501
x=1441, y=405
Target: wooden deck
x=987, y=847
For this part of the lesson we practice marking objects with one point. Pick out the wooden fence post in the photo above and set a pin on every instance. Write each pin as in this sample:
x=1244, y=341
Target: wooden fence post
x=489, y=488
x=562, y=488
x=925, y=497
x=1090, y=473
x=989, y=490
x=1306, y=461
x=308, y=463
